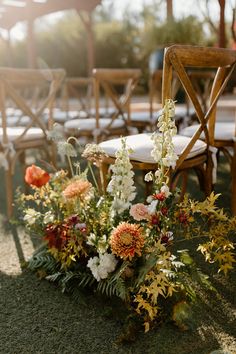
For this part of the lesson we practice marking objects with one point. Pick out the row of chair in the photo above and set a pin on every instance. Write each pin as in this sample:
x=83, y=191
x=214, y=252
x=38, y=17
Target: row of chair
x=38, y=112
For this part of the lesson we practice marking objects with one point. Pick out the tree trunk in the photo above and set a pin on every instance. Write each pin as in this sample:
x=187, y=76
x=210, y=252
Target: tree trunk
x=169, y=9
x=222, y=37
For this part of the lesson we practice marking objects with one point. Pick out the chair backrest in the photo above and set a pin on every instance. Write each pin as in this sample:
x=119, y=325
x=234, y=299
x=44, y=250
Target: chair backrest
x=180, y=59
x=118, y=86
x=81, y=90
x=46, y=81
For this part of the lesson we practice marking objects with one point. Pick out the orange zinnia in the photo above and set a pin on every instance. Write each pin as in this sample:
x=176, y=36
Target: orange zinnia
x=127, y=240
x=36, y=176
x=79, y=188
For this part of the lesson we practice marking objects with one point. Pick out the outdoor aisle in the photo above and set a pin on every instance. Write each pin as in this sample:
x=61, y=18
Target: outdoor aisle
x=37, y=318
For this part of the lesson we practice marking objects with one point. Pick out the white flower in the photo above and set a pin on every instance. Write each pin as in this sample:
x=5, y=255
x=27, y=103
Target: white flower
x=165, y=189
x=148, y=177
x=66, y=149
x=103, y=265
x=56, y=133
x=152, y=207
x=31, y=216
x=48, y=217
x=163, y=148
x=121, y=185
x=99, y=242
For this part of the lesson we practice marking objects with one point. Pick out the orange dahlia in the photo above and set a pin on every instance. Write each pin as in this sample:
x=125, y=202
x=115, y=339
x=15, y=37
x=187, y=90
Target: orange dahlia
x=79, y=188
x=127, y=240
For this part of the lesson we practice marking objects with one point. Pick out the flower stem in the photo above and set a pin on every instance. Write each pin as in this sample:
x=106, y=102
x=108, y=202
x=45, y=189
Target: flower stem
x=70, y=165
x=93, y=176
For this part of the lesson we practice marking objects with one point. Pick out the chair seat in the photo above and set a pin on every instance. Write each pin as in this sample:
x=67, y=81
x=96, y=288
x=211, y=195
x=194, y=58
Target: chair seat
x=223, y=131
x=13, y=121
x=142, y=116
x=142, y=145
x=103, y=111
x=14, y=132
x=89, y=124
x=62, y=116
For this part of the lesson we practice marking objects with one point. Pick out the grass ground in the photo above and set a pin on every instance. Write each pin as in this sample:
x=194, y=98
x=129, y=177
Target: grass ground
x=35, y=317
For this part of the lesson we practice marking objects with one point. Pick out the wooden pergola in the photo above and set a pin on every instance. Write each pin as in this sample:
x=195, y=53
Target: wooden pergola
x=14, y=11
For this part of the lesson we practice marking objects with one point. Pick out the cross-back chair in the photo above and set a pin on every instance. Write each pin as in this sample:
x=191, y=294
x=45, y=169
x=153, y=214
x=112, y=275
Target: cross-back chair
x=192, y=151
x=15, y=140
x=116, y=85
x=222, y=135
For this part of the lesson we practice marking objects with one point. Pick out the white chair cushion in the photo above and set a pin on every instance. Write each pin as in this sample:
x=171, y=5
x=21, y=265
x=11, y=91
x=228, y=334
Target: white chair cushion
x=14, y=132
x=89, y=124
x=142, y=145
x=103, y=111
x=140, y=116
x=17, y=121
x=61, y=116
x=223, y=131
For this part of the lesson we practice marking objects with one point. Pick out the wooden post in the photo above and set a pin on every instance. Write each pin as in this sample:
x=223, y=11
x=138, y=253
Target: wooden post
x=88, y=24
x=31, y=50
x=9, y=49
x=222, y=36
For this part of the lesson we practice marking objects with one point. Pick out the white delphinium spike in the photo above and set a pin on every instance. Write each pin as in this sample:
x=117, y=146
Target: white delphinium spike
x=121, y=185
x=163, y=151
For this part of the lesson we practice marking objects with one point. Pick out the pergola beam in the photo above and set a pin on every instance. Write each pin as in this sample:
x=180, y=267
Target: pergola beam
x=19, y=14
x=33, y=10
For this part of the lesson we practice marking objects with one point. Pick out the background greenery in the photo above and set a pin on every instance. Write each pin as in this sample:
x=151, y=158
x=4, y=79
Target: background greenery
x=118, y=43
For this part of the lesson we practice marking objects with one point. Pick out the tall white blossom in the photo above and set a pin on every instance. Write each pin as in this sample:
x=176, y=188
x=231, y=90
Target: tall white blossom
x=163, y=151
x=121, y=185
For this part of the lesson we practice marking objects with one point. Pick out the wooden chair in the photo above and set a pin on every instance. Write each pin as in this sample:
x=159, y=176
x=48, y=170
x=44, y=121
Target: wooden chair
x=192, y=151
x=117, y=85
x=223, y=137
x=14, y=141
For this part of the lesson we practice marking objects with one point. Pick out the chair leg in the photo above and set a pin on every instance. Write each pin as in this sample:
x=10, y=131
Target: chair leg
x=9, y=193
x=208, y=175
x=233, y=169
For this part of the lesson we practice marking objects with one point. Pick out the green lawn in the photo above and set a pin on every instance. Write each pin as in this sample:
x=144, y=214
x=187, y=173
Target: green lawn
x=37, y=318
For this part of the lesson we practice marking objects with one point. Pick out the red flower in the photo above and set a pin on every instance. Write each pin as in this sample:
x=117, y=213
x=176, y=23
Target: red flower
x=164, y=211
x=57, y=236
x=36, y=176
x=159, y=196
x=155, y=220
x=183, y=217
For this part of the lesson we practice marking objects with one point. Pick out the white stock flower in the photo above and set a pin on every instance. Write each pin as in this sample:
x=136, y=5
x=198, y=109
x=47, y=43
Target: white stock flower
x=31, y=216
x=103, y=265
x=121, y=185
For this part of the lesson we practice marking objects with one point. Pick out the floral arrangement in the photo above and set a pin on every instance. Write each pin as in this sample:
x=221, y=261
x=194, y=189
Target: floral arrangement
x=116, y=244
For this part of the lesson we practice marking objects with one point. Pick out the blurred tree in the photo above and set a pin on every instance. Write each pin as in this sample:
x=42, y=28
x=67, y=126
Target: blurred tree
x=169, y=10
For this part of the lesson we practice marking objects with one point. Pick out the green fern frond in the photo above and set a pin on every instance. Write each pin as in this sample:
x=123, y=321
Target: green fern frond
x=41, y=259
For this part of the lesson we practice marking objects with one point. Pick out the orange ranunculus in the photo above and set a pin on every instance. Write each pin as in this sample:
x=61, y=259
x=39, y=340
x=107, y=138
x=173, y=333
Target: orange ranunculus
x=36, y=176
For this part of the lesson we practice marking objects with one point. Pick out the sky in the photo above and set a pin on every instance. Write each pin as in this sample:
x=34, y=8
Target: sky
x=181, y=8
